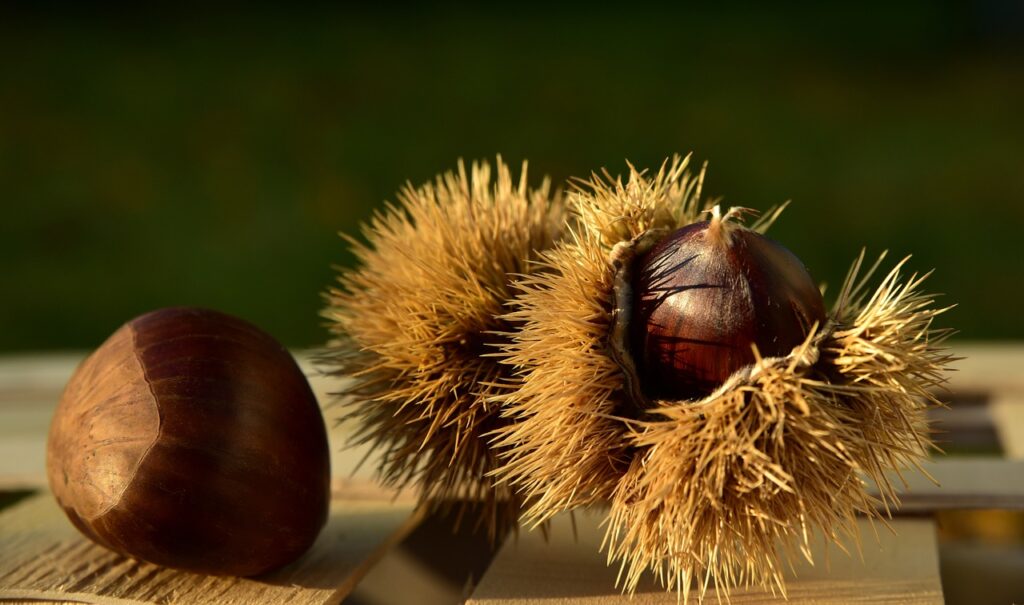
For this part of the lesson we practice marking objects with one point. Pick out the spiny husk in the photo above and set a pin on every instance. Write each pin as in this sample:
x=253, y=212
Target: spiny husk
x=782, y=449
x=562, y=446
x=705, y=491
x=415, y=320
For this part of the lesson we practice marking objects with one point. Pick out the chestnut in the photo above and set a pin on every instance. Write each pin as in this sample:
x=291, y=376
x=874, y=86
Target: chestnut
x=707, y=292
x=191, y=439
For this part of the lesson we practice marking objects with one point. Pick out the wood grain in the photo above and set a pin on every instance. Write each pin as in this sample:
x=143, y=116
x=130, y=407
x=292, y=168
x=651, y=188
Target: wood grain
x=896, y=568
x=44, y=557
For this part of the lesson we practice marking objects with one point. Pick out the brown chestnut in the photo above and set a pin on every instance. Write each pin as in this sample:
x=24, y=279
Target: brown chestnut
x=707, y=292
x=192, y=439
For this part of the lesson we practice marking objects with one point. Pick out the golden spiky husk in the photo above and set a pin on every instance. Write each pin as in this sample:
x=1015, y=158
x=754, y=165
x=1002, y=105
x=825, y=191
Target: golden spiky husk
x=705, y=491
x=417, y=317
x=562, y=446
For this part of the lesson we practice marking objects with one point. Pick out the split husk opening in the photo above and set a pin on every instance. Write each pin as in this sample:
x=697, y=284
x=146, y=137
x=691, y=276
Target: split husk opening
x=702, y=493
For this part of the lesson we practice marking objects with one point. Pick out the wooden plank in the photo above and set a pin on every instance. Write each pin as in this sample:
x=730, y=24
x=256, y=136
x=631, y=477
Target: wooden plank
x=1008, y=416
x=44, y=557
x=988, y=367
x=22, y=462
x=30, y=386
x=897, y=568
x=961, y=483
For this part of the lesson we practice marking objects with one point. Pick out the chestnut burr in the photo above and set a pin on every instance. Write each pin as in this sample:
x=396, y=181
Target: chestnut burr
x=638, y=389
x=191, y=439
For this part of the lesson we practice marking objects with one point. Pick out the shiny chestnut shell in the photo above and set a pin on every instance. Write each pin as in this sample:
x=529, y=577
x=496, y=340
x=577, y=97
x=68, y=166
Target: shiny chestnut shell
x=705, y=294
x=192, y=439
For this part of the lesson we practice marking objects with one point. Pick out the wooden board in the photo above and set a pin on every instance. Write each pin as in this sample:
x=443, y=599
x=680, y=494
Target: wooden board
x=961, y=483
x=30, y=387
x=900, y=568
x=44, y=557
x=1008, y=414
x=897, y=569
x=988, y=367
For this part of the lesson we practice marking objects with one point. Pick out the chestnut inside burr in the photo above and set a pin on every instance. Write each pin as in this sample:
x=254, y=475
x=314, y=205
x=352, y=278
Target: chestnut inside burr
x=703, y=296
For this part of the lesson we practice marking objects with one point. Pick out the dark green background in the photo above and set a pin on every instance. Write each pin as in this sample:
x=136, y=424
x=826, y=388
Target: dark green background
x=210, y=159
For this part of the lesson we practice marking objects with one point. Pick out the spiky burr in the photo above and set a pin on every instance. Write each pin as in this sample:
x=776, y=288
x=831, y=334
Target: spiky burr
x=415, y=320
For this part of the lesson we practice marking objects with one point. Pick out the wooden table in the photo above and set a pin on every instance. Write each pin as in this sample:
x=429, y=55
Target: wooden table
x=360, y=553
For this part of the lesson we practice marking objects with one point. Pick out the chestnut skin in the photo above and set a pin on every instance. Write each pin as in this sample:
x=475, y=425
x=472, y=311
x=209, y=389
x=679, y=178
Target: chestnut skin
x=191, y=439
x=704, y=294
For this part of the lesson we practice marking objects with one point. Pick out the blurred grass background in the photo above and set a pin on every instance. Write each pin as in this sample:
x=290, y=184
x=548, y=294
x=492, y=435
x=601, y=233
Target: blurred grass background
x=154, y=159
